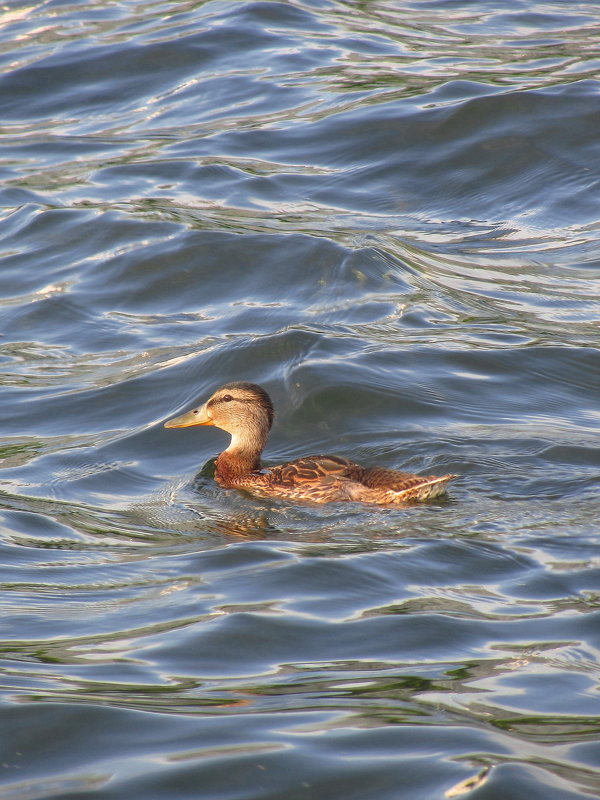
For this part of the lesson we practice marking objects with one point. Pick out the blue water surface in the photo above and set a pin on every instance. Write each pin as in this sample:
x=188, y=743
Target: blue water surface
x=387, y=214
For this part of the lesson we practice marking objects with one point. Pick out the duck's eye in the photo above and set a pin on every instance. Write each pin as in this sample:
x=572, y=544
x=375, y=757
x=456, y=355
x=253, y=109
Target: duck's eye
x=227, y=398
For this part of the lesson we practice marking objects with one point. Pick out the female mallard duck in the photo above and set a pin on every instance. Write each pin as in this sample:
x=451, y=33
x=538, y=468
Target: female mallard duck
x=245, y=411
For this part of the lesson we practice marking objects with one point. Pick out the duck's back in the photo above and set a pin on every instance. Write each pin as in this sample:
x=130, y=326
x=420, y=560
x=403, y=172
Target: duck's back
x=325, y=478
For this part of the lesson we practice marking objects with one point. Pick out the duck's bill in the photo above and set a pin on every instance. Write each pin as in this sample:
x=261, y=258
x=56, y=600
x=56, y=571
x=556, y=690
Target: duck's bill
x=198, y=416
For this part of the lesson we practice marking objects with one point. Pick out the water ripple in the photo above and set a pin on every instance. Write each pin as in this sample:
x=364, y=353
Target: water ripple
x=389, y=217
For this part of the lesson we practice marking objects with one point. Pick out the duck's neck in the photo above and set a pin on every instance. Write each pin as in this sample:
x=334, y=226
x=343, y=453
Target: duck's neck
x=242, y=457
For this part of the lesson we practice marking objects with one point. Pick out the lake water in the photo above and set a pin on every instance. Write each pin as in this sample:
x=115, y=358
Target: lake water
x=388, y=214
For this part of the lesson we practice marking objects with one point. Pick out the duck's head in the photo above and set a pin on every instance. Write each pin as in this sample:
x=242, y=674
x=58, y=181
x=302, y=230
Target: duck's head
x=242, y=409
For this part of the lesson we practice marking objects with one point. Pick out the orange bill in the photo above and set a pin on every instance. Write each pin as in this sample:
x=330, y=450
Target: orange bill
x=198, y=416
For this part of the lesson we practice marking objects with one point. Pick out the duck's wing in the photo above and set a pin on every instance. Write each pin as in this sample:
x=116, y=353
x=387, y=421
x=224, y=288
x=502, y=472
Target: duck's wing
x=382, y=478
x=332, y=478
x=311, y=469
x=402, y=488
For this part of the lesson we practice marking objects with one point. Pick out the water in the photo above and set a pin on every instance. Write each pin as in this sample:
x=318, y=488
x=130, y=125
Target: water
x=388, y=216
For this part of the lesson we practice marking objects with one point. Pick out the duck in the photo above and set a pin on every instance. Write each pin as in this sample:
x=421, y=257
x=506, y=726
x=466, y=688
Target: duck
x=245, y=411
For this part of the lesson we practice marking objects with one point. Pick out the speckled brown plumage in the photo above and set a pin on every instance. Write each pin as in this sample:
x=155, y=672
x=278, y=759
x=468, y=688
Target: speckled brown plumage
x=245, y=411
